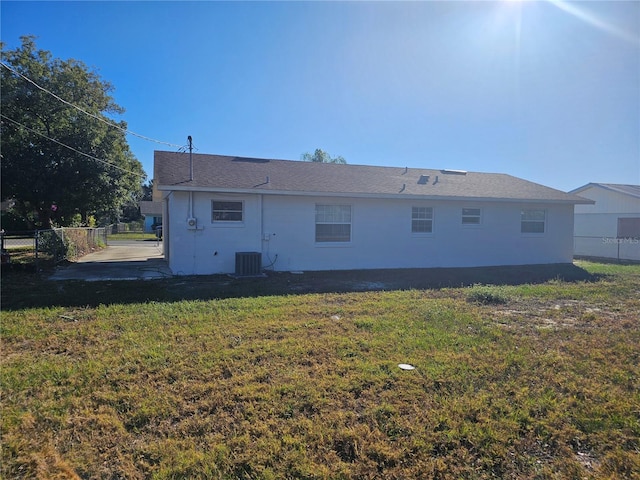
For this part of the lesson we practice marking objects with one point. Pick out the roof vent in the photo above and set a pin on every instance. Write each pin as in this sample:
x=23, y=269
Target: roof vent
x=423, y=180
x=453, y=172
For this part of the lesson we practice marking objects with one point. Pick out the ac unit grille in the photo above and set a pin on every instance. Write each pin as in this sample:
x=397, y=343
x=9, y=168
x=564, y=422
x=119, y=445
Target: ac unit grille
x=248, y=263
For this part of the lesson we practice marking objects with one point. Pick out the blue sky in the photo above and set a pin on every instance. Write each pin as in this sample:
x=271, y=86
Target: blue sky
x=546, y=91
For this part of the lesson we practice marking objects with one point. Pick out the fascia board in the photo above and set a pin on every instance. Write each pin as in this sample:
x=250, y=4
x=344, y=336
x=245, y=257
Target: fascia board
x=582, y=188
x=371, y=195
x=610, y=189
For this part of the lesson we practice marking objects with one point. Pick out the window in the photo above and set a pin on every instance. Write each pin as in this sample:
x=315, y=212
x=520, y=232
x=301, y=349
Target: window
x=421, y=219
x=333, y=223
x=532, y=221
x=225, y=211
x=629, y=227
x=470, y=216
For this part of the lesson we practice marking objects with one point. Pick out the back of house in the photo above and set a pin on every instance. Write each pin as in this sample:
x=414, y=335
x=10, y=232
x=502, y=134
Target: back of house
x=225, y=214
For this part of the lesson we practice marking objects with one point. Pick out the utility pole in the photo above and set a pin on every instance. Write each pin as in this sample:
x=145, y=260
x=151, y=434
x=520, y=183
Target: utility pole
x=190, y=158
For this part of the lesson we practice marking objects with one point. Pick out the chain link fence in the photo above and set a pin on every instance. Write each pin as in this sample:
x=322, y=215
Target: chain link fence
x=614, y=248
x=127, y=227
x=50, y=246
x=21, y=246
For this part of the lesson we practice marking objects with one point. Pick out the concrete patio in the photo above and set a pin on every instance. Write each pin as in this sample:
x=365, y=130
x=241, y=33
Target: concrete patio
x=121, y=260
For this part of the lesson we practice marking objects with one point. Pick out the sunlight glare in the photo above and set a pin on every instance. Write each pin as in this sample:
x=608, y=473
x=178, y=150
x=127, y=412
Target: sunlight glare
x=591, y=19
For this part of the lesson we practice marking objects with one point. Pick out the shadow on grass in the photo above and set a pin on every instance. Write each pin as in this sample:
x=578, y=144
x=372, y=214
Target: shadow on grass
x=24, y=289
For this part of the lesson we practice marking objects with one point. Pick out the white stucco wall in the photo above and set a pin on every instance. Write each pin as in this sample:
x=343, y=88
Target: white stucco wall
x=282, y=228
x=211, y=247
x=382, y=237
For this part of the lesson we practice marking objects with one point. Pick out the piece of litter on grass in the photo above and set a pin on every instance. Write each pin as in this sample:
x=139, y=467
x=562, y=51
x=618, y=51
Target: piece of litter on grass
x=335, y=317
x=406, y=366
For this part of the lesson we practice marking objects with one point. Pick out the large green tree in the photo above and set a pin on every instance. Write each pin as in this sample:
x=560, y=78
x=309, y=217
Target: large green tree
x=320, y=156
x=50, y=182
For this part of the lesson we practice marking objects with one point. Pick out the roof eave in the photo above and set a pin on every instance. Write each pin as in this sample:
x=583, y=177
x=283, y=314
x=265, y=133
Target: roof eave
x=406, y=196
x=582, y=188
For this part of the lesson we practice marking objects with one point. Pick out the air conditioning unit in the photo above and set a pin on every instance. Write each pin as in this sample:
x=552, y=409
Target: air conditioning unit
x=248, y=263
x=192, y=223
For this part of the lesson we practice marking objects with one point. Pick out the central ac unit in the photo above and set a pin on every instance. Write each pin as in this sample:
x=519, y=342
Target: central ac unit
x=192, y=223
x=248, y=263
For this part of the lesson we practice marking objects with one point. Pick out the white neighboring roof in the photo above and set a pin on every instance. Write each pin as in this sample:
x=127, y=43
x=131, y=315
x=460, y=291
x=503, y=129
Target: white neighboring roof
x=632, y=190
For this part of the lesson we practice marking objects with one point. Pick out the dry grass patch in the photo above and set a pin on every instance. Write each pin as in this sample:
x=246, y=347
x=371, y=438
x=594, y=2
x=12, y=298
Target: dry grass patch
x=308, y=386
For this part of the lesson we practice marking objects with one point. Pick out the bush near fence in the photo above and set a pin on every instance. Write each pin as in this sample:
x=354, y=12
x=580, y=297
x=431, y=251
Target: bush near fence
x=53, y=246
x=78, y=242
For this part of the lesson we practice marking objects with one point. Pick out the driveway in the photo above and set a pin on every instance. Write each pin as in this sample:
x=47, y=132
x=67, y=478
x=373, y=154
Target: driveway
x=121, y=260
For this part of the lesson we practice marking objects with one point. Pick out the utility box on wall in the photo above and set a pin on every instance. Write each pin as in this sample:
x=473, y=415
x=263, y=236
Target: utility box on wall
x=248, y=263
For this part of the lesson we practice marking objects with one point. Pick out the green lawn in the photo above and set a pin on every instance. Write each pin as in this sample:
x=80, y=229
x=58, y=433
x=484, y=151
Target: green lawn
x=523, y=381
x=131, y=236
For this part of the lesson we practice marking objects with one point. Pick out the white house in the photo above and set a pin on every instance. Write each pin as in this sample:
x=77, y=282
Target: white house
x=609, y=228
x=225, y=214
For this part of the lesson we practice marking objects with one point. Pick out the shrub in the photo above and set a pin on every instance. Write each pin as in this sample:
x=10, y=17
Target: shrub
x=488, y=295
x=50, y=243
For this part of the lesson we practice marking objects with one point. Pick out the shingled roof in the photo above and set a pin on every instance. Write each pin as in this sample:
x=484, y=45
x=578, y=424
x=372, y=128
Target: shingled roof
x=220, y=173
x=150, y=208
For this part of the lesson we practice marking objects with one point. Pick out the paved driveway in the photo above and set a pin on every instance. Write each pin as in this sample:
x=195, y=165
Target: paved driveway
x=121, y=260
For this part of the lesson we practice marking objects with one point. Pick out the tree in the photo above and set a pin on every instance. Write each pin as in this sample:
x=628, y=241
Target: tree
x=147, y=191
x=320, y=156
x=49, y=182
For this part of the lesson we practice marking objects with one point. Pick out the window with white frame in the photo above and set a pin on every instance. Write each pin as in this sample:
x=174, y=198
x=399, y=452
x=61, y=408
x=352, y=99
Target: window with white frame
x=532, y=221
x=421, y=219
x=226, y=211
x=471, y=216
x=333, y=223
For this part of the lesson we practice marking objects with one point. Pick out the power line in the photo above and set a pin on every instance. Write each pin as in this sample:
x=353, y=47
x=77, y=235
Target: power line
x=142, y=175
x=111, y=124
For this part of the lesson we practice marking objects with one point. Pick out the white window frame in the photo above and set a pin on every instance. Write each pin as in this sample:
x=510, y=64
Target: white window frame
x=319, y=220
x=469, y=215
x=524, y=221
x=227, y=222
x=414, y=218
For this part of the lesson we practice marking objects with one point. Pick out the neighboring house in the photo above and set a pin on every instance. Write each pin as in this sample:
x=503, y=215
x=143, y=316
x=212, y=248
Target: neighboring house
x=292, y=215
x=610, y=228
x=152, y=212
